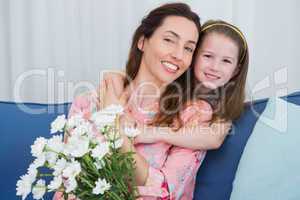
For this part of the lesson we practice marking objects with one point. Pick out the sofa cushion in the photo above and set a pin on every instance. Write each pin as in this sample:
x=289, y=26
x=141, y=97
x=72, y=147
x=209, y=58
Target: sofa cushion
x=216, y=175
x=20, y=124
x=293, y=98
x=269, y=167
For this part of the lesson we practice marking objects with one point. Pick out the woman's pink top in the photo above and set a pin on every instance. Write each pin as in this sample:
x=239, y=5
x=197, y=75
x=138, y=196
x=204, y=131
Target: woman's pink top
x=173, y=169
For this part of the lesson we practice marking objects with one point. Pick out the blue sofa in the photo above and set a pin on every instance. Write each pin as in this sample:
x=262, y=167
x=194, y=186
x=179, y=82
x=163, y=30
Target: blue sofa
x=18, y=130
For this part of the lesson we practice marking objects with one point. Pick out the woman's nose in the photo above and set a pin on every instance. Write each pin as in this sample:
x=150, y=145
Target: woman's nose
x=177, y=53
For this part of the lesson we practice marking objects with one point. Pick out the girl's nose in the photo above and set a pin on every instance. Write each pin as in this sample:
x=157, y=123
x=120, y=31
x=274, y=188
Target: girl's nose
x=214, y=65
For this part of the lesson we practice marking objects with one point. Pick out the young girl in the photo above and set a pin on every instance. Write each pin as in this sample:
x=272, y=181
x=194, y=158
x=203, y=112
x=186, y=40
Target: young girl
x=219, y=83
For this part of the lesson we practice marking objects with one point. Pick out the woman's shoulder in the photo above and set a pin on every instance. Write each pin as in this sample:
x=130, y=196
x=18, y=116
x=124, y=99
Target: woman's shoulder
x=85, y=103
x=86, y=98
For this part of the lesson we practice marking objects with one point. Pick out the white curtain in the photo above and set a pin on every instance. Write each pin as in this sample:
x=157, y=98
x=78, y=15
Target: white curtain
x=50, y=50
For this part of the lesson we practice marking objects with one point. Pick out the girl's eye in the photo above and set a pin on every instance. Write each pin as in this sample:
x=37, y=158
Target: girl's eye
x=207, y=55
x=227, y=61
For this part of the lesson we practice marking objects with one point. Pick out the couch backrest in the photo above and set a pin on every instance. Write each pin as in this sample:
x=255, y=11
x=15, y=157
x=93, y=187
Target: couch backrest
x=18, y=130
x=19, y=127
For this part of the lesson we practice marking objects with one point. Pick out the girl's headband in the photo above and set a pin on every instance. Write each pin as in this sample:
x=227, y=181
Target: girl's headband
x=235, y=29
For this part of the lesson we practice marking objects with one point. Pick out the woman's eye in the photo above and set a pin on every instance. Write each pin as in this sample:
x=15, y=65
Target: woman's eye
x=189, y=49
x=168, y=40
x=207, y=55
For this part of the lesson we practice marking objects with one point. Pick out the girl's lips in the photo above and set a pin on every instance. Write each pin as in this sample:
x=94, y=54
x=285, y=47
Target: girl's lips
x=211, y=76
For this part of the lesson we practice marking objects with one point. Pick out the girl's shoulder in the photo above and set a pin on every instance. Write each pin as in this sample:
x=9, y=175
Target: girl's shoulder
x=199, y=110
x=198, y=105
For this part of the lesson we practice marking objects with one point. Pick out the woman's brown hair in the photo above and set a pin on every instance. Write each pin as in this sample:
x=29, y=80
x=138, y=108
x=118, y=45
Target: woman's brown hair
x=171, y=99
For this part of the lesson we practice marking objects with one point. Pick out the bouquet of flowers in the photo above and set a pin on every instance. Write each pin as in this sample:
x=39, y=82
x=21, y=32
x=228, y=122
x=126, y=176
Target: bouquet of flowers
x=88, y=164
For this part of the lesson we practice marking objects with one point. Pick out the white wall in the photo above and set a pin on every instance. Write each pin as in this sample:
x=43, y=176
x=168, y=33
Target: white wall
x=51, y=49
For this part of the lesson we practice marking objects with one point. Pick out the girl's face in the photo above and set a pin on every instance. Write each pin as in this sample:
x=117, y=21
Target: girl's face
x=217, y=60
x=168, y=52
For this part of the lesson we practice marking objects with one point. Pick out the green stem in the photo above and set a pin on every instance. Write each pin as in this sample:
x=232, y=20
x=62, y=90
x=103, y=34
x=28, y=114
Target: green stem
x=45, y=175
x=114, y=195
x=86, y=181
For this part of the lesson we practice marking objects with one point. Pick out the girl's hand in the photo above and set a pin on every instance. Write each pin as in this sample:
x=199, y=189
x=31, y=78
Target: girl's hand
x=111, y=90
x=221, y=127
x=117, y=80
x=147, y=136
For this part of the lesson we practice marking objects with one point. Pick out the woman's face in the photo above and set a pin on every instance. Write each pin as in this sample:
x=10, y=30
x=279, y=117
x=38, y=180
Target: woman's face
x=216, y=61
x=168, y=52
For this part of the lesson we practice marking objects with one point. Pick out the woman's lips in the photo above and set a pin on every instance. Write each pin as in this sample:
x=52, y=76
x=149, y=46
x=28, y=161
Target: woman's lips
x=170, y=67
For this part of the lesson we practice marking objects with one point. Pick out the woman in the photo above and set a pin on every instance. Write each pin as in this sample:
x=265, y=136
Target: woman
x=161, y=52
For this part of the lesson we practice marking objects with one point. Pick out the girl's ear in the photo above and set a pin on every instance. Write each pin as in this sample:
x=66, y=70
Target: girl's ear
x=236, y=71
x=141, y=43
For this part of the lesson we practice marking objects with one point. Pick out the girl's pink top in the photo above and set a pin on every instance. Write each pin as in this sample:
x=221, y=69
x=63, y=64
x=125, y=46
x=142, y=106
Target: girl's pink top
x=173, y=169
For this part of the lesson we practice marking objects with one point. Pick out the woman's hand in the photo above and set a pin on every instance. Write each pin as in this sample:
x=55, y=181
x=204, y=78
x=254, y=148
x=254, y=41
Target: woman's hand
x=141, y=165
x=126, y=121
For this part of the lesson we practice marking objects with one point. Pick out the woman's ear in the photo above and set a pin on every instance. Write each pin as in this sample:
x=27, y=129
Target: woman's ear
x=141, y=43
